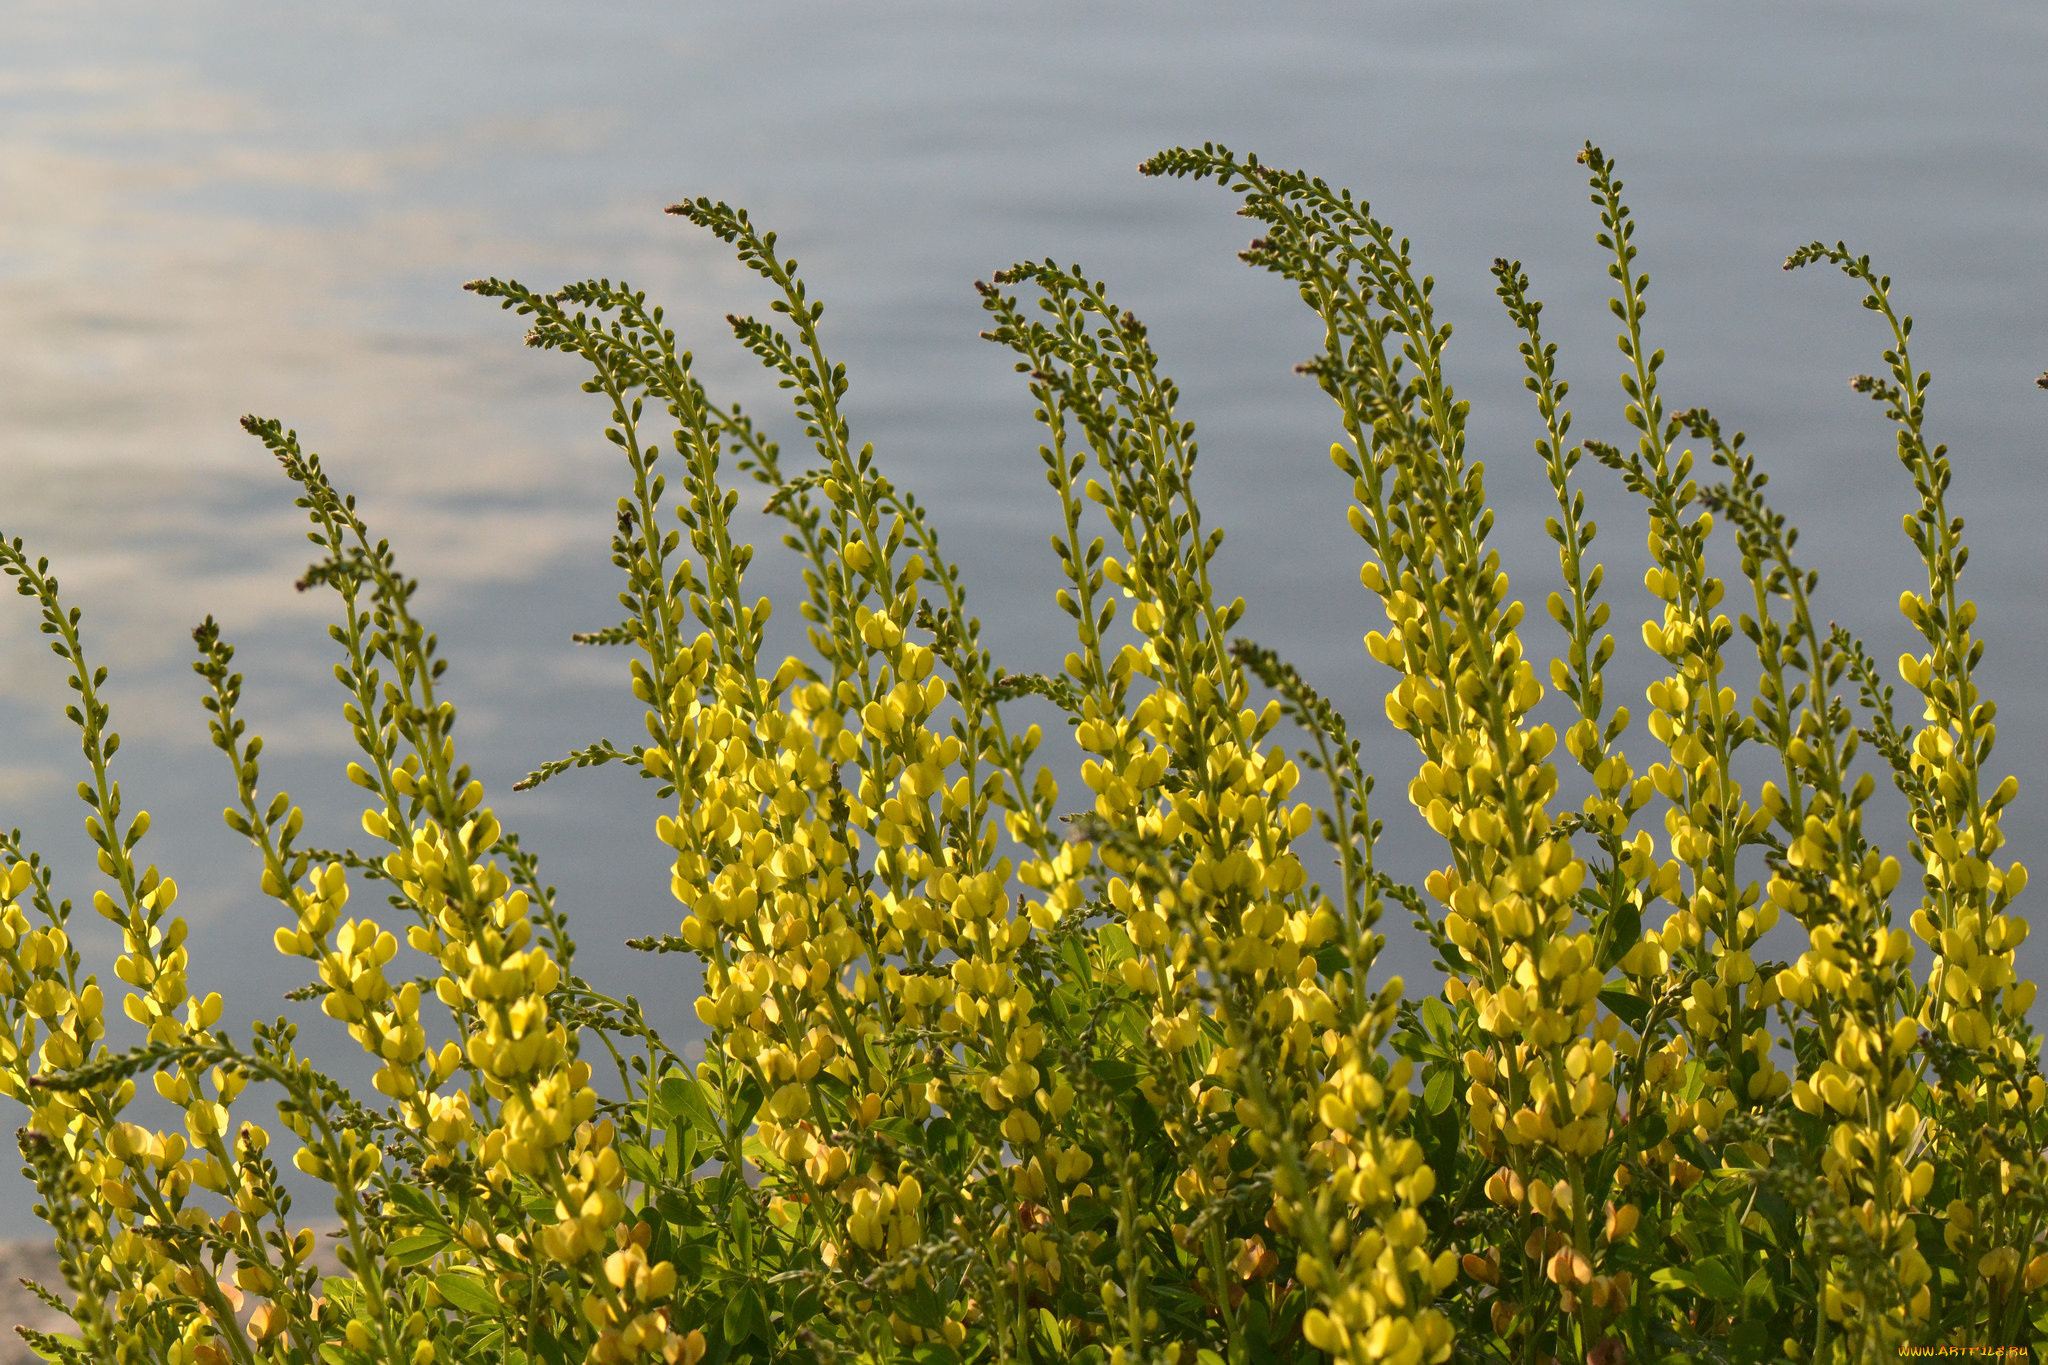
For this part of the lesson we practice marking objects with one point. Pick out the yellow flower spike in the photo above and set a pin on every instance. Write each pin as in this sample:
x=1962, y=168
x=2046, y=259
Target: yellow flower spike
x=838, y=867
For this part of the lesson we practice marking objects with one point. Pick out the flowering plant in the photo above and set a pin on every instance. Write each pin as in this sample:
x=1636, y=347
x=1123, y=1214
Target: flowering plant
x=985, y=1077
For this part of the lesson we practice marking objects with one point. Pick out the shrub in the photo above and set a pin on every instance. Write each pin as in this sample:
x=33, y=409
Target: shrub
x=989, y=1080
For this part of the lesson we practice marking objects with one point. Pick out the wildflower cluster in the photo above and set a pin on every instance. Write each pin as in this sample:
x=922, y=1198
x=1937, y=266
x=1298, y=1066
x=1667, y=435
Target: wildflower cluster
x=1619, y=1077
x=994, y=1072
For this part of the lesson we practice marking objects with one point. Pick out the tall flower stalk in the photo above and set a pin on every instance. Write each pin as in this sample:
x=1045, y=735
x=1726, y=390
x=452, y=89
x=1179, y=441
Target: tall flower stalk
x=985, y=1070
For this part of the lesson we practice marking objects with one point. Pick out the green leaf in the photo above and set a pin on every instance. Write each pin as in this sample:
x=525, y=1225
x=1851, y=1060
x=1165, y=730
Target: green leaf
x=550, y=1349
x=920, y=1306
x=1438, y=1020
x=1439, y=1135
x=675, y=1208
x=1411, y=1045
x=1438, y=1090
x=414, y=1201
x=1620, y=930
x=683, y=1100
x=639, y=1162
x=1708, y=1277
x=899, y=1130
x=745, y=1105
x=744, y=1316
x=1116, y=1072
x=742, y=1224
x=1075, y=953
x=679, y=1152
x=1752, y=1339
x=947, y=1143
x=467, y=1292
x=1633, y=1009
x=415, y=1249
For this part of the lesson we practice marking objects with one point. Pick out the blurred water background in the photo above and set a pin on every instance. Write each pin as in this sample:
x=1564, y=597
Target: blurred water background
x=219, y=208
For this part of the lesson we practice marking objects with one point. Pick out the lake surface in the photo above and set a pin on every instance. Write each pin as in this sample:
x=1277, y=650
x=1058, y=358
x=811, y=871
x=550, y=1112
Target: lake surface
x=230, y=208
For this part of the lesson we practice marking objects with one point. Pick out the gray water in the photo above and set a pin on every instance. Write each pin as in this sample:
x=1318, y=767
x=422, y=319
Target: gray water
x=229, y=208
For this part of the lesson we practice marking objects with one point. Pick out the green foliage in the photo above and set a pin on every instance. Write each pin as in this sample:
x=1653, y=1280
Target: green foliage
x=991, y=1078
